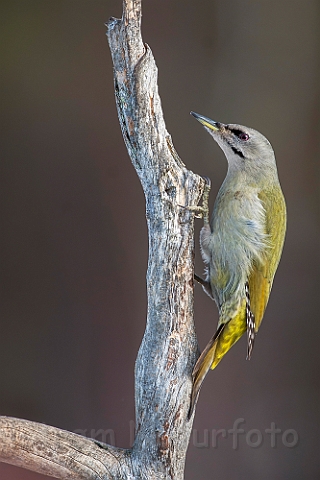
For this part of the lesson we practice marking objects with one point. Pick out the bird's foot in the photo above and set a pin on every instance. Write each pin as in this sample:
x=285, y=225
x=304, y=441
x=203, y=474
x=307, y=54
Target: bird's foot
x=202, y=211
x=200, y=280
x=205, y=285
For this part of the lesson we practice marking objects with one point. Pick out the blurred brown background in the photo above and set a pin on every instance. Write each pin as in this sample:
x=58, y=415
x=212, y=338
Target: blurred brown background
x=73, y=230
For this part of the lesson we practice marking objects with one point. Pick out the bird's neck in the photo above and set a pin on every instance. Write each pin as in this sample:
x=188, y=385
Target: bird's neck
x=251, y=176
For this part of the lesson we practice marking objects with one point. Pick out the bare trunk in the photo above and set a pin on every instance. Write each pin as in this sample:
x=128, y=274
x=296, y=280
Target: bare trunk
x=169, y=348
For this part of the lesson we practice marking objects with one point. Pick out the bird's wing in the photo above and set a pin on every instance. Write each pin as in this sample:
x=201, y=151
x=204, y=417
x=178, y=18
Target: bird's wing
x=262, y=274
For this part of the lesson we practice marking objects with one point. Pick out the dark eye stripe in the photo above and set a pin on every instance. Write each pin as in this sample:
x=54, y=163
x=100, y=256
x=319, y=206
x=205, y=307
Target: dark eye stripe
x=236, y=131
x=236, y=151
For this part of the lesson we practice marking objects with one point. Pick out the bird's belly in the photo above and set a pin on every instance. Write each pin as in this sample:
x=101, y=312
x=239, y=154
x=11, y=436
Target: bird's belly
x=228, y=271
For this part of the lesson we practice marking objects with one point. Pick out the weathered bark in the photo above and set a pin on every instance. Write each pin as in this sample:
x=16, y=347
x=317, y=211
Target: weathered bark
x=169, y=348
x=55, y=452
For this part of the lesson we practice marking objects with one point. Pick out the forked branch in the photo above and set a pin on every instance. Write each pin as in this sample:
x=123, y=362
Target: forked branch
x=169, y=348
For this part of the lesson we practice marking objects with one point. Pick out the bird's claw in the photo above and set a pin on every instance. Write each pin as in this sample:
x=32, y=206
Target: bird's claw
x=202, y=211
x=208, y=182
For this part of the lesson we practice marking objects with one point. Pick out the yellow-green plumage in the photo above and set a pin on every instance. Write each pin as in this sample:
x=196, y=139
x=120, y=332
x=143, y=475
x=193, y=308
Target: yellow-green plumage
x=242, y=245
x=261, y=277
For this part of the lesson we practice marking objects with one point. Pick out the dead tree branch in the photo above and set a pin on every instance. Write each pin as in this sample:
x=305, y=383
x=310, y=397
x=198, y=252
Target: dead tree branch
x=169, y=348
x=57, y=453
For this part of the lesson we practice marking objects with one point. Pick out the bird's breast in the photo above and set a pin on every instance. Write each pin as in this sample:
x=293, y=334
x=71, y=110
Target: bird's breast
x=238, y=238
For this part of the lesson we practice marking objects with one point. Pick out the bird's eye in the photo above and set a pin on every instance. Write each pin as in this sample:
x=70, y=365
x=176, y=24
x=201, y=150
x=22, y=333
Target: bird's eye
x=240, y=134
x=243, y=136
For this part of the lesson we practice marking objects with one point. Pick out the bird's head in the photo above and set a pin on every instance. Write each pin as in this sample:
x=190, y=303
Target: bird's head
x=246, y=149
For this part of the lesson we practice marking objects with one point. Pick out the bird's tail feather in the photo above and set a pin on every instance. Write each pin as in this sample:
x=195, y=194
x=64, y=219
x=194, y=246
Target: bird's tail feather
x=202, y=367
x=226, y=336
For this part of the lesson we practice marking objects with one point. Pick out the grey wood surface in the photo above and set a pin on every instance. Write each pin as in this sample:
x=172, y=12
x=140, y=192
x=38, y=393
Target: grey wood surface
x=169, y=348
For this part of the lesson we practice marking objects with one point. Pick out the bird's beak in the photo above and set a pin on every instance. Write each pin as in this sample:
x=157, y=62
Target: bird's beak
x=207, y=122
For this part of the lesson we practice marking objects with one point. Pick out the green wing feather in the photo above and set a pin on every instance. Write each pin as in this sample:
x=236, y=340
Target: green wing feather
x=261, y=277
